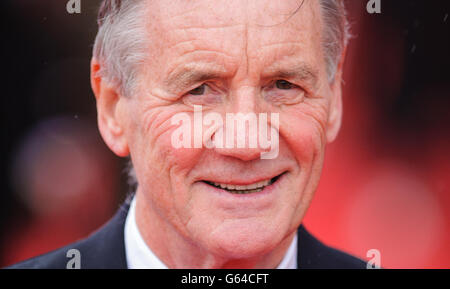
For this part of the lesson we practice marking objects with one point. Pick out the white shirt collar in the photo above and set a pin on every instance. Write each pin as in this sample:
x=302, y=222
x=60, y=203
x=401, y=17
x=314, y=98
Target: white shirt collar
x=290, y=258
x=140, y=256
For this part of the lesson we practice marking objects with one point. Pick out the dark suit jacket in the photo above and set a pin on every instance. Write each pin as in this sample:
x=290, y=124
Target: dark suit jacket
x=105, y=249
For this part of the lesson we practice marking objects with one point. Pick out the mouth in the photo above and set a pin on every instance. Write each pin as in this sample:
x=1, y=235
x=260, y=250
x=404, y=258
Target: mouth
x=245, y=189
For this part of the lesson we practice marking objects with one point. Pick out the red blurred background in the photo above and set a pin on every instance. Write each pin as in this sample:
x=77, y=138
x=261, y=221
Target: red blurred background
x=386, y=179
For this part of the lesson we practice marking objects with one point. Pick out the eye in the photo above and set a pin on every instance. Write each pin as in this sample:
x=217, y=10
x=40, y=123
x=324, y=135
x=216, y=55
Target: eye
x=281, y=92
x=205, y=94
x=200, y=90
x=283, y=84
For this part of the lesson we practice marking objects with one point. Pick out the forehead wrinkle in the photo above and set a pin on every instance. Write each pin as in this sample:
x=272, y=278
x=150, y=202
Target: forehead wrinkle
x=209, y=27
x=200, y=15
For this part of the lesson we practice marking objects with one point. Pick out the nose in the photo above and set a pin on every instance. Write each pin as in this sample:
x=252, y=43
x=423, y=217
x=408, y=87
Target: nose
x=242, y=126
x=243, y=154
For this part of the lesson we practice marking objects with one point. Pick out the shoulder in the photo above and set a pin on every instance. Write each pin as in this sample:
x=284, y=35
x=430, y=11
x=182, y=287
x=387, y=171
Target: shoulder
x=313, y=254
x=56, y=259
x=103, y=249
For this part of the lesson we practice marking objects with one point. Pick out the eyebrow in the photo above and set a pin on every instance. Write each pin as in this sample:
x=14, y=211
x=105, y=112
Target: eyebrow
x=301, y=71
x=197, y=73
x=190, y=74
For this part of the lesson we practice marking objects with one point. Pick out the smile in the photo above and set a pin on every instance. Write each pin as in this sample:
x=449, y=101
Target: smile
x=244, y=189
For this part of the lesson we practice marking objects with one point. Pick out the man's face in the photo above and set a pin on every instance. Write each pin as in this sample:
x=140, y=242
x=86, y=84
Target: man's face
x=229, y=57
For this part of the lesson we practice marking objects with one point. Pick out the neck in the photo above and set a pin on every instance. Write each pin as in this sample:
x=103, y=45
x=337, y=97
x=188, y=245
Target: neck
x=178, y=251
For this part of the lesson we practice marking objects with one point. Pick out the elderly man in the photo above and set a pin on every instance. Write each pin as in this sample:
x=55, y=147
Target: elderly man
x=158, y=64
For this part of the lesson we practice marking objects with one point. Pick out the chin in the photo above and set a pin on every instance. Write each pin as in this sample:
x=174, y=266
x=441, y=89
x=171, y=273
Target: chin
x=244, y=239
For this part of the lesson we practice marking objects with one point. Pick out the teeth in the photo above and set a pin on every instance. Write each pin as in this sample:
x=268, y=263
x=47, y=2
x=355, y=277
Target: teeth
x=252, y=188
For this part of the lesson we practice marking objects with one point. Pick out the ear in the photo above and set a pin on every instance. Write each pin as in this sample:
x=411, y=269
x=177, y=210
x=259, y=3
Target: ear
x=110, y=116
x=335, y=115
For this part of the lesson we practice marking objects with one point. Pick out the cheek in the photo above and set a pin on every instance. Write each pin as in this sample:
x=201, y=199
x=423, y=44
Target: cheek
x=174, y=161
x=170, y=164
x=160, y=166
x=303, y=131
x=155, y=141
x=304, y=136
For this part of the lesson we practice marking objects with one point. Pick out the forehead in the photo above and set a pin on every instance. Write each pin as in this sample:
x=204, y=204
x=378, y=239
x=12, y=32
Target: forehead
x=232, y=31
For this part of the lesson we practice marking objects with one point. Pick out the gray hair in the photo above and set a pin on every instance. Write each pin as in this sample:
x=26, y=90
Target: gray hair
x=336, y=34
x=120, y=44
